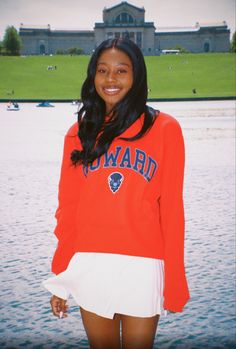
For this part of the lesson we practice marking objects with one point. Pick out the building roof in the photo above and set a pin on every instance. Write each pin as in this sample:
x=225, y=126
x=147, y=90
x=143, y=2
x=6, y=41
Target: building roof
x=72, y=30
x=219, y=26
x=125, y=25
x=124, y=3
x=197, y=27
x=24, y=27
x=35, y=26
x=176, y=29
x=212, y=24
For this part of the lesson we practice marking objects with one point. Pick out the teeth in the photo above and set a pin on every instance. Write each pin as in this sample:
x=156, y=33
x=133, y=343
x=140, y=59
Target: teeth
x=111, y=89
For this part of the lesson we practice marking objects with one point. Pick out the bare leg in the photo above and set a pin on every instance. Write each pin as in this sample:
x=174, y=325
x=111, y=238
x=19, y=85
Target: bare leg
x=137, y=332
x=102, y=333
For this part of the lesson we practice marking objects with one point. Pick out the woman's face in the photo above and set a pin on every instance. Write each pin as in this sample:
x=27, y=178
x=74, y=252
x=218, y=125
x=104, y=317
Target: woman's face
x=114, y=76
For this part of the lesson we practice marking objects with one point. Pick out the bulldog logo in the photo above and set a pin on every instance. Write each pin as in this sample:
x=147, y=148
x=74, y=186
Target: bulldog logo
x=115, y=180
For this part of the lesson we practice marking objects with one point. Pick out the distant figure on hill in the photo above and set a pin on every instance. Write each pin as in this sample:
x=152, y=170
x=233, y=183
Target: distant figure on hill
x=194, y=90
x=10, y=92
x=52, y=67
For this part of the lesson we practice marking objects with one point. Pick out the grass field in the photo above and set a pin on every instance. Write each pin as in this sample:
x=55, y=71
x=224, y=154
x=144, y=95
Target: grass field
x=170, y=76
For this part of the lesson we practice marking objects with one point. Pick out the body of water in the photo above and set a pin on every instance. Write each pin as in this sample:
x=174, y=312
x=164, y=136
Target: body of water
x=31, y=142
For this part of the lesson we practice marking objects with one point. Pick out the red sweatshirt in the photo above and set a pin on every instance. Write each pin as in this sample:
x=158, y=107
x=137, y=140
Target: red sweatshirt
x=129, y=203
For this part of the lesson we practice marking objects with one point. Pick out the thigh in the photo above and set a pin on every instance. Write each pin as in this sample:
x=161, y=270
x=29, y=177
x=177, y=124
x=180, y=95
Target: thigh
x=102, y=333
x=138, y=332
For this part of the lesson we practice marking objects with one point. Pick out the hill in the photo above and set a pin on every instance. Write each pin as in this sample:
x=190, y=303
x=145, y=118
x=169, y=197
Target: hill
x=169, y=76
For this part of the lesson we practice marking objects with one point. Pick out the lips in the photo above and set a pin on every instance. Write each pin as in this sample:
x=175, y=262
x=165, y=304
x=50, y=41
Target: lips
x=111, y=90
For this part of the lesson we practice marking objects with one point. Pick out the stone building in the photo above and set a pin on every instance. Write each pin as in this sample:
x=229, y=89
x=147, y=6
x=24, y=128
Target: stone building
x=44, y=40
x=126, y=20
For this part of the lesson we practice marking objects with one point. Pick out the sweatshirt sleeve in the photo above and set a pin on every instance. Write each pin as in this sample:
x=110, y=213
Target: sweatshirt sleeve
x=68, y=191
x=176, y=293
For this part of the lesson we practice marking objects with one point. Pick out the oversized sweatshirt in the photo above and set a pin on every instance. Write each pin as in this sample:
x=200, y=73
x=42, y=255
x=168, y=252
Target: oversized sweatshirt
x=129, y=201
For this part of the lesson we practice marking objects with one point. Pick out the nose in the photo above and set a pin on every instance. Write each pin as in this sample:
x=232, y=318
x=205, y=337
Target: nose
x=111, y=76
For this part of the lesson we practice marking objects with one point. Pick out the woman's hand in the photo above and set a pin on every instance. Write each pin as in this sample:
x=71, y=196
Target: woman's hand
x=59, y=306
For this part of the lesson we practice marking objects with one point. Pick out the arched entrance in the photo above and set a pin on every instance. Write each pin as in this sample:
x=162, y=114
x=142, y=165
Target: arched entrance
x=206, y=47
x=42, y=49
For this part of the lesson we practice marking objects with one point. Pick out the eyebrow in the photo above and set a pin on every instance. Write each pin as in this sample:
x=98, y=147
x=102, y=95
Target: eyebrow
x=128, y=65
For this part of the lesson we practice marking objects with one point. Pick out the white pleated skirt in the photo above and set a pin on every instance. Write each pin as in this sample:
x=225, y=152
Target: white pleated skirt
x=106, y=284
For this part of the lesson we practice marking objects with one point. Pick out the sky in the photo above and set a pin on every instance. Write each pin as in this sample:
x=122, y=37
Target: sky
x=82, y=14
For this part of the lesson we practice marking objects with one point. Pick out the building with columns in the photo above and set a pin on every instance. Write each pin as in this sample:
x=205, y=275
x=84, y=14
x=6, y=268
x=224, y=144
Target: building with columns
x=126, y=20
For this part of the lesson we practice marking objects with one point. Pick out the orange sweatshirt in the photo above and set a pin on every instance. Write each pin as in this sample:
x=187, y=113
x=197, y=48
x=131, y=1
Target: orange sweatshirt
x=129, y=203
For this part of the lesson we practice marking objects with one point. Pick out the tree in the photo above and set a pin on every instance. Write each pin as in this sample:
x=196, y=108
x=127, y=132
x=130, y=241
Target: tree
x=79, y=51
x=1, y=47
x=180, y=48
x=75, y=51
x=12, y=41
x=60, y=51
x=233, y=43
x=72, y=50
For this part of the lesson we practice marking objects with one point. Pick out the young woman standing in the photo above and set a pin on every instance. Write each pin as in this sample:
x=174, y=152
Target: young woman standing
x=120, y=219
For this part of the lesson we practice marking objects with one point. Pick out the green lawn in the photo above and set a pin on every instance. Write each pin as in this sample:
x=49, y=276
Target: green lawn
x=170, y=76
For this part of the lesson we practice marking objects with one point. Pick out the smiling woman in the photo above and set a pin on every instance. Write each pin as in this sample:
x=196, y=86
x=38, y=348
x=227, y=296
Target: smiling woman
x=116, y=84
x=120, y=219
x=114, y=77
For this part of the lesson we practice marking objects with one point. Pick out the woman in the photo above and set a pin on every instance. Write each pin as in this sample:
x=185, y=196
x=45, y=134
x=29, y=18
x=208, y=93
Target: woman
x=120, y=219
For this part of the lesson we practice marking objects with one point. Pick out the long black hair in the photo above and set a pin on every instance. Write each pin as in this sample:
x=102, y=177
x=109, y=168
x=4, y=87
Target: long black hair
x=95, y=133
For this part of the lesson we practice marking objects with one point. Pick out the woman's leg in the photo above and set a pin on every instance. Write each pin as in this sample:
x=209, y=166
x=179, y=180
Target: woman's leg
x=138, y=332
x=102, y=333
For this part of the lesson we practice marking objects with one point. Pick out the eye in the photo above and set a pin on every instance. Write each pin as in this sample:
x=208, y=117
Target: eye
x=101, y=70
x=121, y=71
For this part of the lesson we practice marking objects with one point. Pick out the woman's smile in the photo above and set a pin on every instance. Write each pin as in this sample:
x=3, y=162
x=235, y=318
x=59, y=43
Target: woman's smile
x=114, y=76
x=111, y=90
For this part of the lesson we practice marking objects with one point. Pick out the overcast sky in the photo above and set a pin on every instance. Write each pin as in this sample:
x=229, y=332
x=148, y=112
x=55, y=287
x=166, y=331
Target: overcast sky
x=82, y=14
